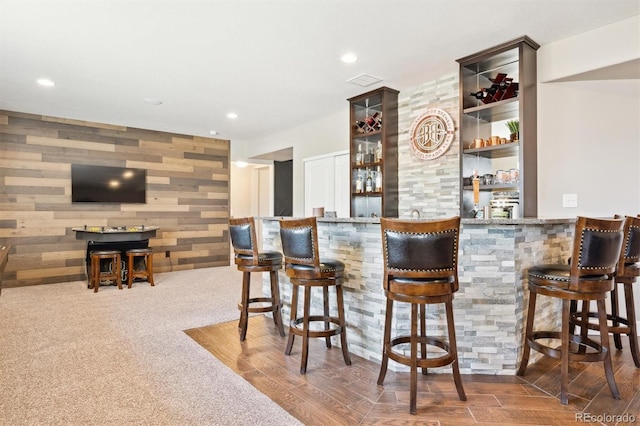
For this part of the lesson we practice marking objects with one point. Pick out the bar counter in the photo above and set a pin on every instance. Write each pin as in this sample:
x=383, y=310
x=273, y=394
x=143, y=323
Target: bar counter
x=489, y=307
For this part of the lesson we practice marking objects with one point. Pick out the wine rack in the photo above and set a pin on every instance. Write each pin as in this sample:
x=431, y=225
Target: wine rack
x=373, y=130
x=498, y=88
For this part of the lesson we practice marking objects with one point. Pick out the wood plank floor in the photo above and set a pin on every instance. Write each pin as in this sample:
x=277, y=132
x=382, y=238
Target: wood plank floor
x=332, y=393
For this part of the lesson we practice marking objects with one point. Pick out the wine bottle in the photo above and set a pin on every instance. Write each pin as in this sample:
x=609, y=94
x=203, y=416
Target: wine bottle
x=480, y=94
x=360, y=126
x=359, y=158
x=369, y=184
x=359, y=184
x=378, y=186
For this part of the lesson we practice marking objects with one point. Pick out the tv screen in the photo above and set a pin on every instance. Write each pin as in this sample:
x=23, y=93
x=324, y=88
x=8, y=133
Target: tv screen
x=101, y=184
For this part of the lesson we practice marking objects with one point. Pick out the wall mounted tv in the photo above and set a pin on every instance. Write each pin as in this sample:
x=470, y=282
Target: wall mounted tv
x=101, y=184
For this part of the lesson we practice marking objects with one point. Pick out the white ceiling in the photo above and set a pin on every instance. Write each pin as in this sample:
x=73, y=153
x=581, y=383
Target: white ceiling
x=275, y=63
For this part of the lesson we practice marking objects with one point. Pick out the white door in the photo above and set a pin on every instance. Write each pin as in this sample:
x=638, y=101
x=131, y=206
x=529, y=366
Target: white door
x=319, y=184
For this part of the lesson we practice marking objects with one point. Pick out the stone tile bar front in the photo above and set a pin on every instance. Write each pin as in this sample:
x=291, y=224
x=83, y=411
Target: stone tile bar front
x=489, y=308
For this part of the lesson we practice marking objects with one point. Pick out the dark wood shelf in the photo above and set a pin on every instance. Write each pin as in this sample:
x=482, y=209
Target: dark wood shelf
x=376, y=203
x=367, y=194
x=493, y=187
x=497, y=151
x=366, y=165
x=516, y=59
x=495, y=111
x=374, y=135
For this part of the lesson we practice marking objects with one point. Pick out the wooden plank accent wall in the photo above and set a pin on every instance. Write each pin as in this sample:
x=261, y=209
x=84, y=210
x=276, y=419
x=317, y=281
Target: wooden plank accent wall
x=187, y=195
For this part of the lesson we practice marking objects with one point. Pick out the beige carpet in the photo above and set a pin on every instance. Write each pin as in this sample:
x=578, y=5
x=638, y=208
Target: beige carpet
x=69, y=356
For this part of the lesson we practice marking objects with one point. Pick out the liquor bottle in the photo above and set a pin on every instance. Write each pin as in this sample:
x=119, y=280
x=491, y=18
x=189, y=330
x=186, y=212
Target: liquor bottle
x=359, y=184
x=369, y=185
x=379, y=152
x=359, y=158
x=378, y=186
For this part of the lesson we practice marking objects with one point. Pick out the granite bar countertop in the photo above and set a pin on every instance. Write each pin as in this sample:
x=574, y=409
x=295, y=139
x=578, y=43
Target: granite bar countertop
x=465, y=221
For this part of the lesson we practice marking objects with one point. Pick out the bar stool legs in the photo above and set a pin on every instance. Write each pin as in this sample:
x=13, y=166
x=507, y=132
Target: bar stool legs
x=96, y=275
x=566, y=337
x=419, y=337
x=274, y=304
x=305, y=332
x=147, y=272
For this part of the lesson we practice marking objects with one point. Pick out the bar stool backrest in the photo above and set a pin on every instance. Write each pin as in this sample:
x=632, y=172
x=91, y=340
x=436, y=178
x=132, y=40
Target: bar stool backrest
x=630, y=253
x=243, y=238
x=300, y=242
x=421, y=249
x=597, y=244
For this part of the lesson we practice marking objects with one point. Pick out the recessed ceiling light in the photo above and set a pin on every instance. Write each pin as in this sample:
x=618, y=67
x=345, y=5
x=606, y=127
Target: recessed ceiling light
x=232, y=115
x=348, y=58
x=213, y=132
x=152, y=101
x=45, y=82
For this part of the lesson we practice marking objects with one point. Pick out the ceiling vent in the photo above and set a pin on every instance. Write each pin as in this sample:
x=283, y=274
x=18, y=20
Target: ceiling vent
x=364, y=80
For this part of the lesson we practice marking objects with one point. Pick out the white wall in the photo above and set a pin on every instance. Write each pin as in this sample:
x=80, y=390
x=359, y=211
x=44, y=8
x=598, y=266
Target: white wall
x=323, y=136
x=240, y=199
x=589, y=131
x=602, y=47
x=589, y=145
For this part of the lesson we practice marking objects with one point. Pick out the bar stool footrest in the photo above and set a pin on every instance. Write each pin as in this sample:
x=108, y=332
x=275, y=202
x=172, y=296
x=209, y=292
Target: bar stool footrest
x=258, y=309
x=296, y=324
x=576, y=318
x=599, y=355
x=439, y=361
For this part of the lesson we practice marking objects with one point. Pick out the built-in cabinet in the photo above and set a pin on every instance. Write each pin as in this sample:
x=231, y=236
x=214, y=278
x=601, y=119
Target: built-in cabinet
x=373, y=129
x=498, y=90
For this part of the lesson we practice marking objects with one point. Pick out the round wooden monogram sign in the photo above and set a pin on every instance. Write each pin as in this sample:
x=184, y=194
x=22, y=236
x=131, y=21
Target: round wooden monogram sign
x=431, y=134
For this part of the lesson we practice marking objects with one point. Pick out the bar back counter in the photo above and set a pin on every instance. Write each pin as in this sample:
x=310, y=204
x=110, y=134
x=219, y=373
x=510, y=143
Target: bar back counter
x=489, y=308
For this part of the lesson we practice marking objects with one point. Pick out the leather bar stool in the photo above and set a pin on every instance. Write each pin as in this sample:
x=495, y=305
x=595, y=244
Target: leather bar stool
x=147, y=260
x=420, y=268
x=305, y=269
x=97, y=275
x=590, y=276
x=248, y=260
x=627, y=271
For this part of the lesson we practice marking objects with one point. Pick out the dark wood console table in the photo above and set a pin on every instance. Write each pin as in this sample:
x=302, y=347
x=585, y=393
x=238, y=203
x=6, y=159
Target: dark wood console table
x=120, y=238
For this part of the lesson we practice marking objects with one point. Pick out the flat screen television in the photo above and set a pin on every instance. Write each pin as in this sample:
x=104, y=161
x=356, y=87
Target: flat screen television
x=102, y=184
